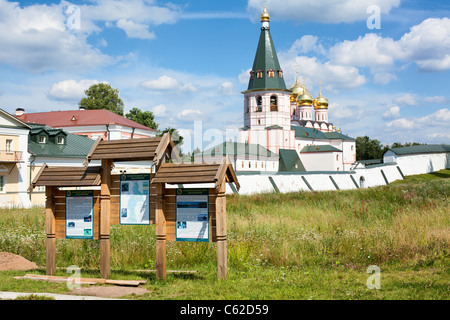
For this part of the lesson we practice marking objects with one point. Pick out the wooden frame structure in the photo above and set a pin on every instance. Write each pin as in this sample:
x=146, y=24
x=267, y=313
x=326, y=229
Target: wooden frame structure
x=106, y=213
x=219, y=175
x=52, y=178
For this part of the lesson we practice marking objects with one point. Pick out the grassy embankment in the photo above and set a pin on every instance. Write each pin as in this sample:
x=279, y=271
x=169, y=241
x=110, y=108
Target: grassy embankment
x=280, y=246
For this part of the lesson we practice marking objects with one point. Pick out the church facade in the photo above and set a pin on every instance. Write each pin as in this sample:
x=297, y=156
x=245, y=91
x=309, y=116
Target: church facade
x=288, y=123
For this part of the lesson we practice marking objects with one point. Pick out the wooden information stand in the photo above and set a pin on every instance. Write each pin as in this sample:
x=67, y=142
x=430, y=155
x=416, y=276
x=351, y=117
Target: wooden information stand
x=165, y=211
x=162, y=200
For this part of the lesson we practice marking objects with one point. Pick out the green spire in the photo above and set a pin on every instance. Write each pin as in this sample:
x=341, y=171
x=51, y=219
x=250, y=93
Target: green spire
x=266, y=60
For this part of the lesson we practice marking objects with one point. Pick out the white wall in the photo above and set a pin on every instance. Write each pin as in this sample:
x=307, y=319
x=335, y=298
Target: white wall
x=419, y=163
x=320, y=181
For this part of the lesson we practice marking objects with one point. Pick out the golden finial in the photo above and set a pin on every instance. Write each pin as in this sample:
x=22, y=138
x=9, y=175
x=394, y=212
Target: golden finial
x=265, y=17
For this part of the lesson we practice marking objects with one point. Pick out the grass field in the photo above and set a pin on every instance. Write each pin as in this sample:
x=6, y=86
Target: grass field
x=307, y=245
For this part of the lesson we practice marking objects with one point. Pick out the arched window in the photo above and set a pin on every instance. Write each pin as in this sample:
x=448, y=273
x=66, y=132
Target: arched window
x=259, y=74
x=273, y=103
x=280, y=73
x=251, y=74
x=258, y=104
x=271, y=73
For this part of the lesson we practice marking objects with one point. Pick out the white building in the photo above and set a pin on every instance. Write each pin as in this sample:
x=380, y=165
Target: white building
x=277, y=119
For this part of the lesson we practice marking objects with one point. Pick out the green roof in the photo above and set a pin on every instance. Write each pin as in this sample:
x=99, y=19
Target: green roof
x=265, y=59
x=290, y=161
x=425, y=148
x=320, y=148
x=75, y=146
x=312, y=133
x=240, y=149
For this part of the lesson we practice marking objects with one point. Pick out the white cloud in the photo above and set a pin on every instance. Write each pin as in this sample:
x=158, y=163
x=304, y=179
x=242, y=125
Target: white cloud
x=166, y=83
x=227, y=88
x=36, y=39
x=135, y=30
x=333, y=76
x=244, y=76
x=325, y=11
x=305, y=44
x=431, y=128
x=408, y=99
x=436, y=99
x=70, y=90
x=428, y=44
x=160, y=111
x=401, y=124
x=370, y=51
x=384, y=78
x=392, y=113
x=190, y=115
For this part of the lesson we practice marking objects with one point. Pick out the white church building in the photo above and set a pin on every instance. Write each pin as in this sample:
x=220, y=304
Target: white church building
x=284, y=129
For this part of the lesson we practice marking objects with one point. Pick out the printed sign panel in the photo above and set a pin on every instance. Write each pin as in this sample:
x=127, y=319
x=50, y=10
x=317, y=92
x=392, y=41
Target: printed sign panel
x=79, y=214
x=192, y=215
x=135, y=198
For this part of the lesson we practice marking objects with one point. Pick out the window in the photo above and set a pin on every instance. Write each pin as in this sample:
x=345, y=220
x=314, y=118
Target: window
x=273, y=103
x=280, y=73
x=242, y=164
x=259, y=104
x=337, y=157
x=259, y=74
x=271, y=73
x=262, y=165
x=42, y=139
x=251, y=75
x=9, y=145
x=249, y=164
x=256, y=164
x=60, y=140
x=352, y=148
x=2, y=184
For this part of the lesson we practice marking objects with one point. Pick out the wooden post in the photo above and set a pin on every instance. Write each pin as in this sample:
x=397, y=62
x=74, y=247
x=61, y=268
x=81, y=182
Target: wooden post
x=105, y=205
x=50, y=229
x=160, y=232
x=221, y=231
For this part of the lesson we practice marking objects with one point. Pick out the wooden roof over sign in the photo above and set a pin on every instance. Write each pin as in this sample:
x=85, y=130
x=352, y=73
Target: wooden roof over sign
x=152, y=149
x=196, y=173
x=66, y=177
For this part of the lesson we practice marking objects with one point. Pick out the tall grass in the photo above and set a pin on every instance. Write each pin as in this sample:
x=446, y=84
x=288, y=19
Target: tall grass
x=398, y=225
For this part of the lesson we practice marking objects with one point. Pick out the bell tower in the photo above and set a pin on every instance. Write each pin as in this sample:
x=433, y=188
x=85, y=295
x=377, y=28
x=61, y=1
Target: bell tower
x=267, y=104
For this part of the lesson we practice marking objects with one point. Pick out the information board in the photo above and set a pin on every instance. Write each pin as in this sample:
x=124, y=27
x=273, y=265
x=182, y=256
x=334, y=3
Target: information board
x=79, y=214
x=135, y=198
x=192, y=220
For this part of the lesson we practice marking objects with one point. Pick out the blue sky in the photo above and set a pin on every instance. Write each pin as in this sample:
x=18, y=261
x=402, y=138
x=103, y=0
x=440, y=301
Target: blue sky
x=188, y=60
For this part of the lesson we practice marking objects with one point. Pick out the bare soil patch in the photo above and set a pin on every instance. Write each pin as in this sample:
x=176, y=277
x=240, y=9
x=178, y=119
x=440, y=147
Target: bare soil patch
x=109, y=291
x=10, y=261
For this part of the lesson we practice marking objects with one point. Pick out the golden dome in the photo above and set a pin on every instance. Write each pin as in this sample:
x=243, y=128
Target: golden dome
x=296, y=89
x=265, y=17
x=305, y=99
x=320, y=102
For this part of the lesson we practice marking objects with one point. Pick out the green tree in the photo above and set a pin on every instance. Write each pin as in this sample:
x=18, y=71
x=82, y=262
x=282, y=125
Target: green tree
x=146, y=118
x=367, y=149
x=176, y=137
x=102, y=96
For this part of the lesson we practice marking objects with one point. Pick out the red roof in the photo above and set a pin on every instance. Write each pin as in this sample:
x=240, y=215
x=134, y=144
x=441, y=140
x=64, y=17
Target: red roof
x=76, y=118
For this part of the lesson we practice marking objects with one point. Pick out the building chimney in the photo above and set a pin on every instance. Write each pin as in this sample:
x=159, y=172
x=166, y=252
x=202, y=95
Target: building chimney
x=19, y=112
